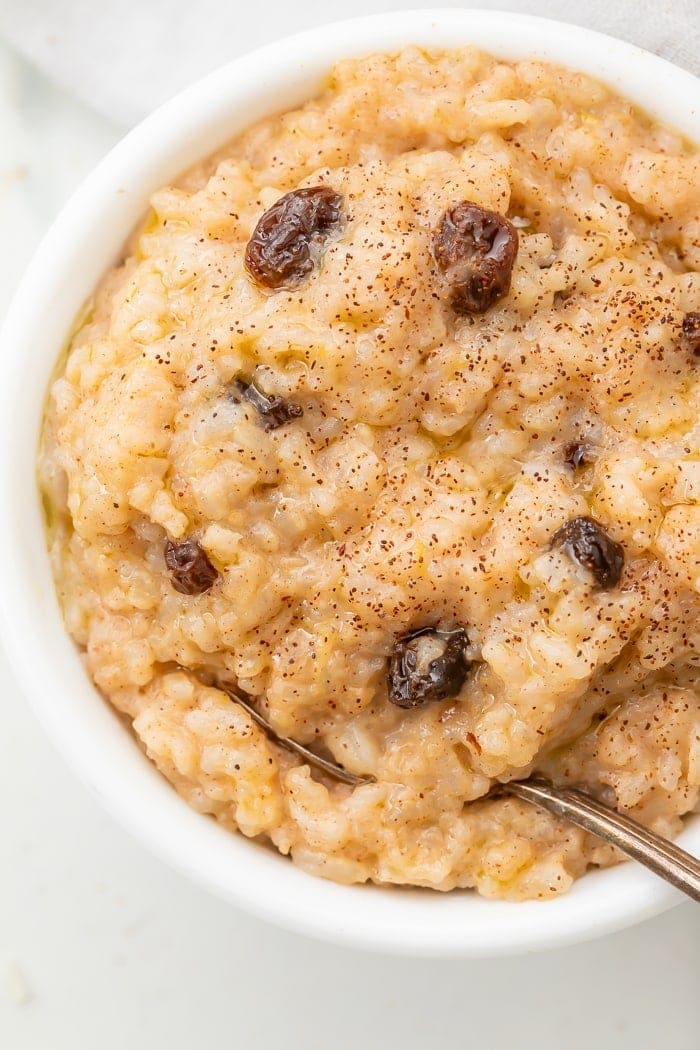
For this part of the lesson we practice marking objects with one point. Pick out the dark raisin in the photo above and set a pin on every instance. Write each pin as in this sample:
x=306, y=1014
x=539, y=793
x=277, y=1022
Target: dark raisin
x=190, y=568
x=274, y=411
x=288, y=239
x=577, y=454
x=691, y=333
x=586, y=542
x=475, y=249
x=428, y=664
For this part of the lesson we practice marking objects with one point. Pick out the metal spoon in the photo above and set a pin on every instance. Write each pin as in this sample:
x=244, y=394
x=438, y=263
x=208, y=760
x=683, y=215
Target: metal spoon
x=662, y=857
x=331, y=768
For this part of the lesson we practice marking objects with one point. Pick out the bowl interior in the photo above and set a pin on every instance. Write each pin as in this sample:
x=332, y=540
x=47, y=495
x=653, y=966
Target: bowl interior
x=86, y=239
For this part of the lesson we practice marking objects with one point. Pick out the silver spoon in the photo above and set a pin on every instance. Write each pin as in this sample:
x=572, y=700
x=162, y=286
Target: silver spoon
x=331, y=768
x=662, y=857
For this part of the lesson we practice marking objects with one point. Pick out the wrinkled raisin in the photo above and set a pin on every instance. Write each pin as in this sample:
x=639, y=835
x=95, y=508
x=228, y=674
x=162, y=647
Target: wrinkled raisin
x=475, y=249
x=691, y=333
x=288, y=239
x=428, y=664
x=586, y=542
x=189, y=566
x=577, y=454
x=274, y=411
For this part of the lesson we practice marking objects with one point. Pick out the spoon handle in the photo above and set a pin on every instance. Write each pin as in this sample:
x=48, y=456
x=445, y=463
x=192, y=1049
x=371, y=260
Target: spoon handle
x=664, y=858
x=331, y=768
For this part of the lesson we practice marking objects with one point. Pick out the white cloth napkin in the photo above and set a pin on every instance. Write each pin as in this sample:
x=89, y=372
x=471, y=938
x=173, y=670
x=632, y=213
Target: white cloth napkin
x=126, y=56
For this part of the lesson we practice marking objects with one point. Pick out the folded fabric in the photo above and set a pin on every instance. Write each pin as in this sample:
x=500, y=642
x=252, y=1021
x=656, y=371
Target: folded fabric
x=125, y=56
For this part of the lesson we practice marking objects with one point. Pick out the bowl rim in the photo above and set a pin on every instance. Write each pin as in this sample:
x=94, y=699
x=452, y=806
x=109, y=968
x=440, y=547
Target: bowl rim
x=86, y=236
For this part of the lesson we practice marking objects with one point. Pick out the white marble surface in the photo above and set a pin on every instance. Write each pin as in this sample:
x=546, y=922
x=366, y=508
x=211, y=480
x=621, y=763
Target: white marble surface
x=102, y=947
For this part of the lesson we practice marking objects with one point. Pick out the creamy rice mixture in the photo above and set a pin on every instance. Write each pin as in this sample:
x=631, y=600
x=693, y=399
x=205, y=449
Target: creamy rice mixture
x=273, y=485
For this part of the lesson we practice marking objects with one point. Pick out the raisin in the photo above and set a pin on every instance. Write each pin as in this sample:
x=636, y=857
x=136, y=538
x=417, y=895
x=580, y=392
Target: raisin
x=586, y=542
x=691, y=333
x=288, y=239
x=428, y=664
x=274, y=411
x=577, y=454
x=475, y=249
x=190, y=568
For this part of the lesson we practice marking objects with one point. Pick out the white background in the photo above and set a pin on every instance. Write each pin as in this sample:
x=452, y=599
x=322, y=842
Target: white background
x=103, y=948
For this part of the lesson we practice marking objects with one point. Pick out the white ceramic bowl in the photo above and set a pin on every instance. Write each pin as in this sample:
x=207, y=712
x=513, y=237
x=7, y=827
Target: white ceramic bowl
x=86, y=238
